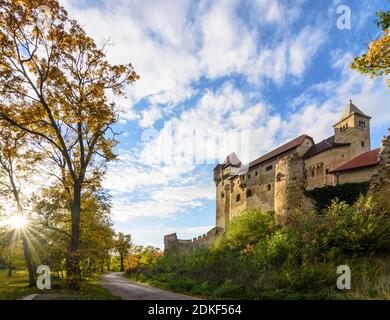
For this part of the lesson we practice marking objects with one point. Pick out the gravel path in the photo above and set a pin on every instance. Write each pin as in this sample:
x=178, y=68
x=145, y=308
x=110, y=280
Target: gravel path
x=118, y=285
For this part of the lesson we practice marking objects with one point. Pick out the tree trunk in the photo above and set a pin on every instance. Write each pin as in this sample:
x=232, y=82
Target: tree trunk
x=29, y=264
x=122, y=264
x=73, y=275
x=109, y=264
x=26, y=248
x=9, y=268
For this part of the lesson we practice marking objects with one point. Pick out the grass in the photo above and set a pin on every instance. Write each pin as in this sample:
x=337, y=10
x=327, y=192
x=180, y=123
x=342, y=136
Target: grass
x=370, y=281
x=166, y=285
x=229, y=291
x=12, y=288
x=16, y=287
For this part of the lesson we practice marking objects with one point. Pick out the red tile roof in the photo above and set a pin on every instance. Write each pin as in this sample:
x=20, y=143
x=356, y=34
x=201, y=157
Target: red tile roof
x=323, y=146
x=282, y=149
x=368, y=159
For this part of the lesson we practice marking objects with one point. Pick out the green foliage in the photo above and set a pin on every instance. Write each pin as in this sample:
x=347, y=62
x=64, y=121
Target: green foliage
x=348, y=192
x=383, y=19
x=357, y=228
x=376, y=62
x=257, y=259
x=250, y=228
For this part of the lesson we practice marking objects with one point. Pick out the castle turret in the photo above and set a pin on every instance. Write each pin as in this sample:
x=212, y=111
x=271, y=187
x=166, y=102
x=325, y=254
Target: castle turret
x=354, y=128
x=222, y=173
x=289, y=187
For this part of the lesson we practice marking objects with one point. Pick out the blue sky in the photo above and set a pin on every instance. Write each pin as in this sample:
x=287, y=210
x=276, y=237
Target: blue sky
x=218, y=77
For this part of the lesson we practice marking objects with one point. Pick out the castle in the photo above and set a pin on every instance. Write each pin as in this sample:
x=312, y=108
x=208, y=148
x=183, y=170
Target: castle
x=276, y=181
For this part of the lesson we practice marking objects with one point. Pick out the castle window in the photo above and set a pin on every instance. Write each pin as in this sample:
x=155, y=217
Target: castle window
x=362, y=124
x=269, y=187
x=256, y=173
x=249, y=176
x=362, y=143
x=269, y=168
x=249, y=193
x=341, y=129
x=312, y=173
x=222, y=195
x=238, y=198
x=327, y=171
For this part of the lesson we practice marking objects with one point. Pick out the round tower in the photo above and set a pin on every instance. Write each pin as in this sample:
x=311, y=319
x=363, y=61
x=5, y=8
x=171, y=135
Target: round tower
x=289, y=187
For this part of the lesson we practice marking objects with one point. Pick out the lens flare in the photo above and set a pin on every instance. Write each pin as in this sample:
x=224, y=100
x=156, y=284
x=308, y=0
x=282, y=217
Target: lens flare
x=17, y=222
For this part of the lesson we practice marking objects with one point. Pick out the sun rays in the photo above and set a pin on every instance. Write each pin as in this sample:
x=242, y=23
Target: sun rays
x=20, y=229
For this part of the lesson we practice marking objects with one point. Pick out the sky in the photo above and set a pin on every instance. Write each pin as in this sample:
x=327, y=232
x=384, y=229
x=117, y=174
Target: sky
x=220, y=77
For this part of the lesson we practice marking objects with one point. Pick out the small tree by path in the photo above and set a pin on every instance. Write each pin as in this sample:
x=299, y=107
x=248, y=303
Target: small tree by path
x=122, y=247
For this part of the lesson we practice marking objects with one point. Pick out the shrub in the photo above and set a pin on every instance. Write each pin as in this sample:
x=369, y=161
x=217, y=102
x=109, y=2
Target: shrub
x=255, y=258
x=247, y=229
x=357, y=228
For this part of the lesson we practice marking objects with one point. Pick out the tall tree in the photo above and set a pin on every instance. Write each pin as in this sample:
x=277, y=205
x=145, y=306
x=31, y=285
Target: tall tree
x=122, y=247
x=55, y=85
x=376, y=62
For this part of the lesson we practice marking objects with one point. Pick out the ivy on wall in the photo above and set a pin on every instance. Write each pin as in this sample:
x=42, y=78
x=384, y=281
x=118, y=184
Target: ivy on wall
x=348, y=192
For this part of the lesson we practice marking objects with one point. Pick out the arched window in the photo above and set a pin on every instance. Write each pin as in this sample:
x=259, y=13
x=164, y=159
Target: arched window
x=238, y=198
x=249, y=193
x=269, y=187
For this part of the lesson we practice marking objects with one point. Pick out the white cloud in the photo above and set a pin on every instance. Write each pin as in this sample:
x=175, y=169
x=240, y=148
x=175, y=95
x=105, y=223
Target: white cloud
x=174, y=43
x=150, y=116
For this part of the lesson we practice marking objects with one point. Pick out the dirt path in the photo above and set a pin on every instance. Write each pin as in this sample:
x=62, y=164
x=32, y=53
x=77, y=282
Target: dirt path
x=118, y=285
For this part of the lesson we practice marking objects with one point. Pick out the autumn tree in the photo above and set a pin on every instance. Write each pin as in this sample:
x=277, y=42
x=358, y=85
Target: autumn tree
x=57, y=86
x=376, y=62
x=51, y=206
x=122, y=247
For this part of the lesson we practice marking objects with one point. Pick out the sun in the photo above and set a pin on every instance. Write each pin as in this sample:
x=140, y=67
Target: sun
x=17, y=222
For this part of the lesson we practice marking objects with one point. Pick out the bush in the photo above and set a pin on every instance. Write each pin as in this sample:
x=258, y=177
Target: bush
x=248, y=229
x=358, y=228
x=256, y=259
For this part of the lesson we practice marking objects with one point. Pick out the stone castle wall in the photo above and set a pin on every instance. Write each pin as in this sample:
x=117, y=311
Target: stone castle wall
x=171, y=240
x=380, y=182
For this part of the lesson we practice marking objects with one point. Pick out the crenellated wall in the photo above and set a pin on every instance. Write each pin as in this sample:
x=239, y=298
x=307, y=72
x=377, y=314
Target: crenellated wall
x=171, y=240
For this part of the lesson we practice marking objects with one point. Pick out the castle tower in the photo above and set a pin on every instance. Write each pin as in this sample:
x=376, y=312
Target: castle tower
x=354, y=128
x=222, y=174
x=289, y=187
